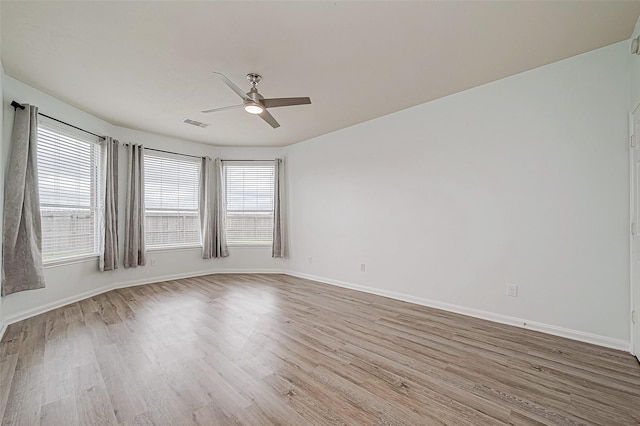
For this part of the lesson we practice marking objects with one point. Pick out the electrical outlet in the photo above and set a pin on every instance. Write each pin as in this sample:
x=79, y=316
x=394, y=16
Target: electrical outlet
x=363, y=267
x=512, y=290
x=310, y=259
x=154, y=261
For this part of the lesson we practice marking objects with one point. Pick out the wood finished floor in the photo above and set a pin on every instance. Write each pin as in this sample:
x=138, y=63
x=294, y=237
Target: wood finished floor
x=273, y=349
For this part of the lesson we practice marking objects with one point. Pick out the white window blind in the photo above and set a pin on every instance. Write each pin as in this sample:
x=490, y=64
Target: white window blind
x=69, y=184
x=171, y=201
x=249, y=191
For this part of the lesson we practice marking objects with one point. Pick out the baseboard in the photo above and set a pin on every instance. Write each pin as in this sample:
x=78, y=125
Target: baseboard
x=94, y=292
x=3, y=328
x=581, y=336
x=144, y=281
x=56, y=304
x=476, y=313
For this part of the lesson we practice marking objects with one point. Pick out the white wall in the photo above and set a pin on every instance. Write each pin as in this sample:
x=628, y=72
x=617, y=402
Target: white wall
x=635, y=70
x=635, y=103
x=70, y=281
x=2, y=157
x=2, y=324
x=522, y=181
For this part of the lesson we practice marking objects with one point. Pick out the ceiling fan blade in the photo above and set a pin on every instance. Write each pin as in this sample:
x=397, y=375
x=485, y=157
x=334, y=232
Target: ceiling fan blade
x=280, y=102
x=231, y=85
x=221, y=109
x=269, y=119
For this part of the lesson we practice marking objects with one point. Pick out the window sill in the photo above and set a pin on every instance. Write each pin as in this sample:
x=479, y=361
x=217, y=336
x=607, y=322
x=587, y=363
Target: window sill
x=70, y=261
x=249, y=246
x=174, y=248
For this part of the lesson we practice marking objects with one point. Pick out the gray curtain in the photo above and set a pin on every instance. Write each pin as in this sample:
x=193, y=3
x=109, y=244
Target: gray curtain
x=22, y=228
x=109, y=255
x=134, y=248
x=212, y=209
x=277, y=249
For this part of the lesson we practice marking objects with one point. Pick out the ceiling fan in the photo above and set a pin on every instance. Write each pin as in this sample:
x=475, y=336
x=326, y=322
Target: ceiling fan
x=254, y=102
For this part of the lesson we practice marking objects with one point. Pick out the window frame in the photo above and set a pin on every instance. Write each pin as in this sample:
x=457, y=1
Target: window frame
x=180, y=158
x=246, y=163
x=96, y=194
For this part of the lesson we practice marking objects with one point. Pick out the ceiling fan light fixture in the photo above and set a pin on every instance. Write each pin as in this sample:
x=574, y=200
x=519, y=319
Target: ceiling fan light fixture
x=253, y=108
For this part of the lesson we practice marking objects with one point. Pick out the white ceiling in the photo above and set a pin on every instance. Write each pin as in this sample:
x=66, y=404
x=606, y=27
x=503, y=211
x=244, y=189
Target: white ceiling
x=147, y=65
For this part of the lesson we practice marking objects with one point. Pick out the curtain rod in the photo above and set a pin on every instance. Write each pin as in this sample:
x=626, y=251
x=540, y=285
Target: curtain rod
x=189, y=155
x=16, y=105
x=166, y=152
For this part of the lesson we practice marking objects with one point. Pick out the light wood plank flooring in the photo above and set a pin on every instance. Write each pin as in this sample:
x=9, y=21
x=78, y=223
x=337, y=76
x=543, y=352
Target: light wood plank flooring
x=273, y=349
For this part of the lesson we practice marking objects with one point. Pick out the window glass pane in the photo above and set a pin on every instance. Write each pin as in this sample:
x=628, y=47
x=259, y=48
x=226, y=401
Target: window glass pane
x=171, y=201
x=249, y=191
x=70, y=200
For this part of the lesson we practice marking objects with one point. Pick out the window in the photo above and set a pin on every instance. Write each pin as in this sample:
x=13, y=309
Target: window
x=249, y=191
x=70, y=201
x=171, y=201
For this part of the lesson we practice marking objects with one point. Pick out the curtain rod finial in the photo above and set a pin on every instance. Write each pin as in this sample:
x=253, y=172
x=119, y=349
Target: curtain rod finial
x=16, y=105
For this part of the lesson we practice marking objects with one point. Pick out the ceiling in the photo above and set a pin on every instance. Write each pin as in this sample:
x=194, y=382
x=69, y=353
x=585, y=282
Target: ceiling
x=147, y=65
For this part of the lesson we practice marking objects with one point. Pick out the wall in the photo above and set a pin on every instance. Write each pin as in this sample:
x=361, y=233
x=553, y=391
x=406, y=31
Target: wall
x=75, y=281
x=2, y=323
x=635, y=71
x=522, y=181
x=635, y=103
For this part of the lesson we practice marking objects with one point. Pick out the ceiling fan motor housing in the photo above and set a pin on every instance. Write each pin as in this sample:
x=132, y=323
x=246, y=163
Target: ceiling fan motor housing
x=254, y=100
x=255, y=96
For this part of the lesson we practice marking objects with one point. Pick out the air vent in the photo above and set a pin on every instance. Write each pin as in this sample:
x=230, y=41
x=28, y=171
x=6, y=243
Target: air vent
x=195, y=123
